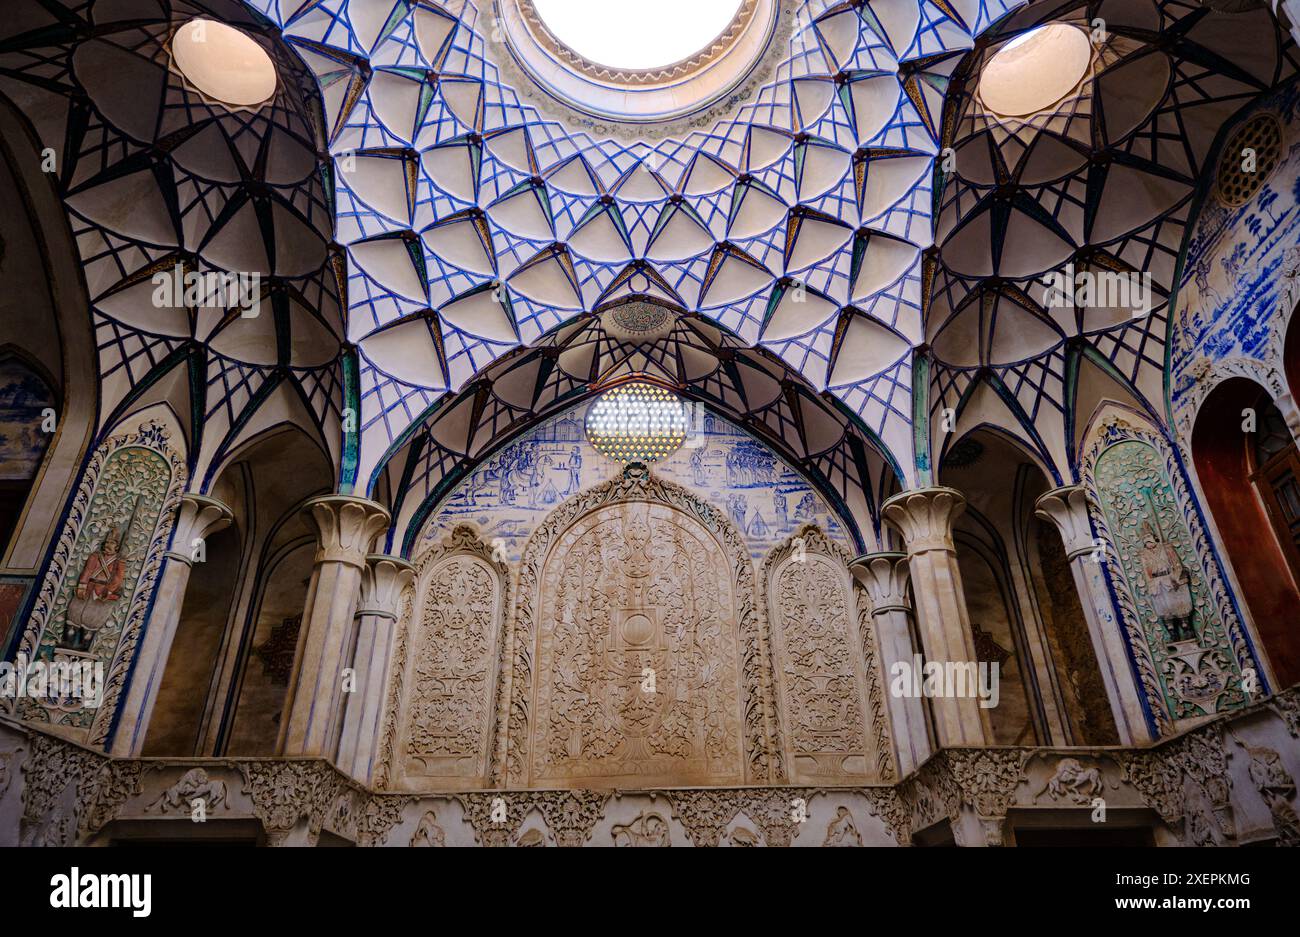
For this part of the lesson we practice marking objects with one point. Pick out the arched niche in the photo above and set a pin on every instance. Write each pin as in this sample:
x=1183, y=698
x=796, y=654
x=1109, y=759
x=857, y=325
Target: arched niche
x=1291, y=354
x=98, y=586
x=636, y=654
x=1189, y=650
x=827, y=679
x=1024, y=606
x=44, y=323
x=1249, y=471
x=446, y=703
x=265, y=482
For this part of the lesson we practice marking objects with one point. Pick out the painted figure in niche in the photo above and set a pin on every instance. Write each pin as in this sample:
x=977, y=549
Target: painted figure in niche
x=99, y=587
x=1168, y=585
x=779, y=507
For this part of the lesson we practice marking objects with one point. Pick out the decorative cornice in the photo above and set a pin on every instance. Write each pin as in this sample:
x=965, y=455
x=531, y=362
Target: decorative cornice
x=71, y=793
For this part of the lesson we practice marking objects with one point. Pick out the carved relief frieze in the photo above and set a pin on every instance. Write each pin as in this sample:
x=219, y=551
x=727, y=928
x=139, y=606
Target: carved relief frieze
x=285, y=793
x=1277, y=787
x=648, y=829
x=377, y=816
x=193, y=785
x=506, y=819
x=986, y=779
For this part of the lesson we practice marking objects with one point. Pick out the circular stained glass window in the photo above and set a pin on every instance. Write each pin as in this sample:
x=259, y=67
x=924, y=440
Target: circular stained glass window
x=637, y=422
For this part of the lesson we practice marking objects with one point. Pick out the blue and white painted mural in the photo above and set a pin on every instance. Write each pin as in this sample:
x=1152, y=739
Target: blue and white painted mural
x=1241, y=273
x=24, y=397
x=509, y=494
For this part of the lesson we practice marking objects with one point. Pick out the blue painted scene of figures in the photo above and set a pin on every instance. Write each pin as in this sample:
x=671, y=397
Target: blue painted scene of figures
x=509, y=494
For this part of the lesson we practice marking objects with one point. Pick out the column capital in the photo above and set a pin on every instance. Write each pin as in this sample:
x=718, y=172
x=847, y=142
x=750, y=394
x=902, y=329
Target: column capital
x=924, y=516
x=884, y=576
x=383, y=579
x=1067, y=508
x=198, y=517
x=346, y=526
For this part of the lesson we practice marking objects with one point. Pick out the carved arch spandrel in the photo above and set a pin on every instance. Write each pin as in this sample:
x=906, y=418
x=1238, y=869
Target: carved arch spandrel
x=446, y=702
x=759, y=751
x=827, y=681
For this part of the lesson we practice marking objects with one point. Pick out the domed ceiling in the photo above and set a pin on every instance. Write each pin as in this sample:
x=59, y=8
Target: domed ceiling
x=474, y=225
x=421, y=220
x=162, y=183
x=1104, y=180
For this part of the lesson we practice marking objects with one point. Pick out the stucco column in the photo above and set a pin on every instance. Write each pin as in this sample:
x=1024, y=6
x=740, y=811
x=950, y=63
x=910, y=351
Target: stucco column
x=346, y=527
x=884, y=576
x=1067, y=508
x=383, y=580
x=924, y=516
x=197, y=518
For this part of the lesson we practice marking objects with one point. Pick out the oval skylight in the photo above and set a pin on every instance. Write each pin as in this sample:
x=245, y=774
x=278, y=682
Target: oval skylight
x=1035, y=70
x=225, y=63
x=636, y=34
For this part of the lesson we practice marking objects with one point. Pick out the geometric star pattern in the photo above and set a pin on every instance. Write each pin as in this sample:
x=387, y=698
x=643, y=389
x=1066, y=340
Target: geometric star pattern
x=473, y=225
x=157, y=180
x=1104, y=181
x=752, y=387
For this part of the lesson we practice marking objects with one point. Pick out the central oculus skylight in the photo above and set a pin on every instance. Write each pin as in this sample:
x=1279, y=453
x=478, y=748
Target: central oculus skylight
x=636, y=34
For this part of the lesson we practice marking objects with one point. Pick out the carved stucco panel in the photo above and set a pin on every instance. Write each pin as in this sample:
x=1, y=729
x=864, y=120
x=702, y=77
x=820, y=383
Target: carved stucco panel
x=832, y=714
x=450, y=665
x=638, y=654
x=632, y=581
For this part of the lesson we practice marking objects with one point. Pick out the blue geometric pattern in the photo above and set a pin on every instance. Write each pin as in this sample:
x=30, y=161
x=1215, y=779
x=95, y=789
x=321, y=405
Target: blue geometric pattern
x=474, y=225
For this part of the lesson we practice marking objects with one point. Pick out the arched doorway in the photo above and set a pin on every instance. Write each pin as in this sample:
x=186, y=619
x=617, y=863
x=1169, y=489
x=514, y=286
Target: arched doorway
x=1022, y=600
x=229, y=666
x=27, y=408
x=1249, y=470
